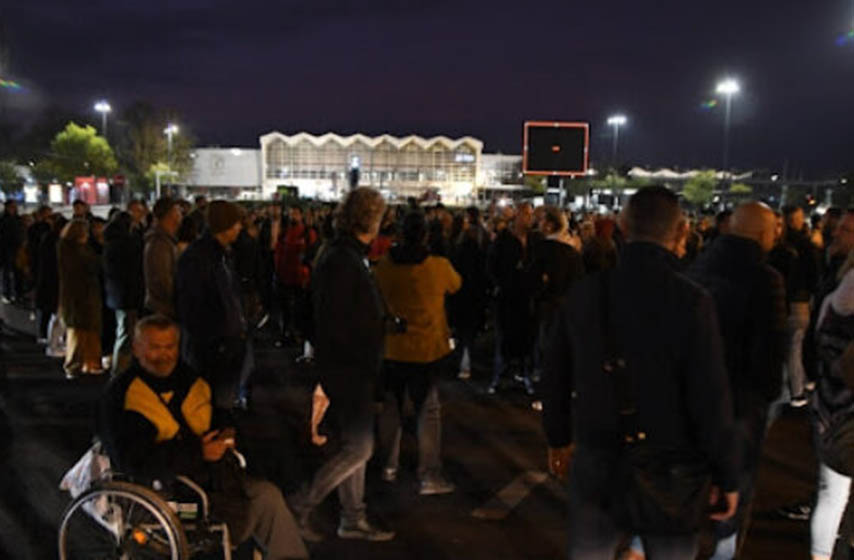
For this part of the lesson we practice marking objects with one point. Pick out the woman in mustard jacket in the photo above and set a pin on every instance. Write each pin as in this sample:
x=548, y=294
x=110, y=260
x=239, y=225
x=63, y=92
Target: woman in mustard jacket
x=414, y=285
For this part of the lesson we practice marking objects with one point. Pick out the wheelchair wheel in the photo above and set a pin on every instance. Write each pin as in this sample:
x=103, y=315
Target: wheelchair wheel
x=121, y=521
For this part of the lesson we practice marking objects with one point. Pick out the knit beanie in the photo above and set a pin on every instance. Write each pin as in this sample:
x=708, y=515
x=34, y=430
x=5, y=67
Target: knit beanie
x=222, y=215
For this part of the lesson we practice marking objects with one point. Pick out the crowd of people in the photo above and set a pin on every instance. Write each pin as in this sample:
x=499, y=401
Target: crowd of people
x=651, y=334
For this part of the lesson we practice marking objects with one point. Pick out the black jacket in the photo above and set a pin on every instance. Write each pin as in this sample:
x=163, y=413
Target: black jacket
x=47, y=282
x=556, y=266
x=207, y=297
x=149, y=439
x=666, y=330
x=751, y=304
x=348, y=316
x=124, y=283
x=11, y=237
x=797, y=259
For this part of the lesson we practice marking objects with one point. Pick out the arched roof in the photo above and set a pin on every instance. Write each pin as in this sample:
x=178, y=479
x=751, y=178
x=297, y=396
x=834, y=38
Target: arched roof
x=346, y=141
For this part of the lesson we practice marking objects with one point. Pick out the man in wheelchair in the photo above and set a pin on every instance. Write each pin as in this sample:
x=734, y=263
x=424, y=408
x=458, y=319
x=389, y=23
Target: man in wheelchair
x=157, y=421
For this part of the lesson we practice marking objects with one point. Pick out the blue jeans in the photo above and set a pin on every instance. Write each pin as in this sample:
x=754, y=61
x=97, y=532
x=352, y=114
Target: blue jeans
x=419, y=382
x=346, y=469
x=833, y=489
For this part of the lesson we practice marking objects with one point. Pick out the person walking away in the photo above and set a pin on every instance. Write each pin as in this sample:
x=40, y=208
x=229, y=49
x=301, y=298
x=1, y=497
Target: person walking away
x=47, y=289
x=467, y=307
x=796, y=259
x=291, y=271
x=751, y=304
x=160, y=257
x=349, y=318
x=557, y=264
x=207, y=297
x=512, y=253
x=635, y=379
x=80, y=299
x=414, y=285
x=124, y=283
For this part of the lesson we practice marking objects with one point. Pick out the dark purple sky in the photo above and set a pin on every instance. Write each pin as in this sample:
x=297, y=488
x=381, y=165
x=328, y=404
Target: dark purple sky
x=235, y=70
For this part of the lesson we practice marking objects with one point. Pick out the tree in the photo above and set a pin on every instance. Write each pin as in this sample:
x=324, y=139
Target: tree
x=536, y=183
x=143, y=147
x=78, y=150
x=740, y=188
x=700, y=189
x=10, y=179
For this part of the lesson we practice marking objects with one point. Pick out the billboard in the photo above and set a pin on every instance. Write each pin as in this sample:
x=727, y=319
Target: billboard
x=556, y=148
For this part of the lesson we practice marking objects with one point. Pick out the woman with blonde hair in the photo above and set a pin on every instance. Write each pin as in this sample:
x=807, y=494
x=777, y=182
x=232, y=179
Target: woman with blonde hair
x=80, y=299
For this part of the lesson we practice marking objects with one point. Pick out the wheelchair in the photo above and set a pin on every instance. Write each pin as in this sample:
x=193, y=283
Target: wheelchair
x=122, y=520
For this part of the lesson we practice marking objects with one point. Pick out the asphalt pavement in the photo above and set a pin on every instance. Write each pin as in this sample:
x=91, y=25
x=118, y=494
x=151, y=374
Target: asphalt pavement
x=505, y=505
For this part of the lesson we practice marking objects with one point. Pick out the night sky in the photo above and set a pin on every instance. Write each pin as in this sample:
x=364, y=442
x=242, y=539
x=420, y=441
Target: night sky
x=235, y=70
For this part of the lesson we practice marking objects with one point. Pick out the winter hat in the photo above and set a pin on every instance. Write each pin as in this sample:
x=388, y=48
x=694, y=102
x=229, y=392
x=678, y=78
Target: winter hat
x=222, y=215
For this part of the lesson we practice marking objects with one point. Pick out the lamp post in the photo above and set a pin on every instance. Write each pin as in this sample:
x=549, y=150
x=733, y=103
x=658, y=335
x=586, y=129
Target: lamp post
x=170, y=131
x=616, y=121
x=727, y=88
x=104, y=108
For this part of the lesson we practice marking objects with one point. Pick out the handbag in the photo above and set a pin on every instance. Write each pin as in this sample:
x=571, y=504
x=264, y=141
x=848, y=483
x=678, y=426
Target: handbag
x=833, y=403
x=660, y=490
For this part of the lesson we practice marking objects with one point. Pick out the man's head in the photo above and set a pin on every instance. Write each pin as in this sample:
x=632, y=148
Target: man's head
x=295, y=214
x=554, y=221
x=79, y=209
x=415, y=229
x=524, y=216
x=224, y=221
x=754, y=220
x=722, y=221
x=137, y=211
x=843, y=235
x=360, y=214
x=653, y=215
x=168, y=215
x=793, y=217
x=155, y=345
x=201, y=201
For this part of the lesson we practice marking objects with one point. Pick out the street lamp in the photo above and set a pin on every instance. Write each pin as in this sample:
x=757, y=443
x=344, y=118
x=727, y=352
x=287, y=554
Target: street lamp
x=170, y=130
x=616, y=121
x=728, y=88
x=104, y=108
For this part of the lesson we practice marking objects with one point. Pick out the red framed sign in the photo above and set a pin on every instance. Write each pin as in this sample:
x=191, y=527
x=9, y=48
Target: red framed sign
x=556, y=148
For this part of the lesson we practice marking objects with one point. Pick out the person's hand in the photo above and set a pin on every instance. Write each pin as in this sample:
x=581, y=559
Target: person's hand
x=559, y=460
x=214, y=447
x=730, y=500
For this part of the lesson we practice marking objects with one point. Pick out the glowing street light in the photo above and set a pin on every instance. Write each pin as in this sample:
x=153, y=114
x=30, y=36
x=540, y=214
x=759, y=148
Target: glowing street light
x=727, y=88
x=104, y=108
x=616, y=121
x=170, y=131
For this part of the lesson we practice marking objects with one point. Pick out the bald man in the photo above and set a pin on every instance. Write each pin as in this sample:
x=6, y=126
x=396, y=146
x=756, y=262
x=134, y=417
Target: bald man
x=751, y=302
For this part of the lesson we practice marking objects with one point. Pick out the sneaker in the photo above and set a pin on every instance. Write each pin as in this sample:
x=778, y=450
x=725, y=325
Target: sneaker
x=491, y=390
x=72, y=374
x=389, y=474
x=106, y=362
x=795, y=512
x=809, y=386
x=798, y=401
x=364, y=531
x=537, y=405
x=435, y=487
x=464, y=374
x=41, y=341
